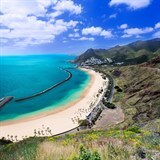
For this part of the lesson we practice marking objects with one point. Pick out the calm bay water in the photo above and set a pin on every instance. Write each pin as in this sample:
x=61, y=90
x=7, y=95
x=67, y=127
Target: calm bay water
x=22, y=76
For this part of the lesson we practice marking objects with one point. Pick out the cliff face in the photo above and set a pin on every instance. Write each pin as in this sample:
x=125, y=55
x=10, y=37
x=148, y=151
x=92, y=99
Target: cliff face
x=133, y=53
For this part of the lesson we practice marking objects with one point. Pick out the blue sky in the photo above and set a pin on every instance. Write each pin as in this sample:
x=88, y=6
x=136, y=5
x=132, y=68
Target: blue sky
x=73, y=26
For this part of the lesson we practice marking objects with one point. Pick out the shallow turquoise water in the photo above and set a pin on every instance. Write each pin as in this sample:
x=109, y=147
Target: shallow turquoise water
x=22, y=76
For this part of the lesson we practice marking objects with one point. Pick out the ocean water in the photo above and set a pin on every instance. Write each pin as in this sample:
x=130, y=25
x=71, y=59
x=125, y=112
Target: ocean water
x=22, y=76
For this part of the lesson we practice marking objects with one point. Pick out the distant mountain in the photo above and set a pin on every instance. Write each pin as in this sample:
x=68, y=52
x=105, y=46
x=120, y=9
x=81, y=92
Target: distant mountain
x=88, y=54
x=133, y=53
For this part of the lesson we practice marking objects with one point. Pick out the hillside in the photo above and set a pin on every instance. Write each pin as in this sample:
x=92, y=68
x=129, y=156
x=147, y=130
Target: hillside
x=139, y=94
x=153, y=63
x=113, y=144
x=136, y=138
x=133, y=53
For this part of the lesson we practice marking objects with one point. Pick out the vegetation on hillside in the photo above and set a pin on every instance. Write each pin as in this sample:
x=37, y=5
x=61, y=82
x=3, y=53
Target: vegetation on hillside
x=112, y=144
x=133, y=53
x=137, y=92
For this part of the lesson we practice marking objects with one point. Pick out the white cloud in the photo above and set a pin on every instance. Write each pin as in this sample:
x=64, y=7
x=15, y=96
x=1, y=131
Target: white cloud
x=61, y=22
x=21, y=23
x=106, y=34
x=46, y=3
x=126, y=36
x=30, y=30
x=55, y=14
x=157, y=25
x=97, y=31
x=123, y=26
x=136, y=31
x=92, y=31
x=3, y=32
x=74, y=35
x=86, y=39
x=23, y=7
x=113, y=16
x=157, y=34
x=3, y=40
x=68, y=5
x=133, y=4
x=64, y=41
x=76, y=30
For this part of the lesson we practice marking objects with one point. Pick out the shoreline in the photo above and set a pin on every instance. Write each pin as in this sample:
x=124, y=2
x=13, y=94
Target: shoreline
x=49, y=112
x=58, y=120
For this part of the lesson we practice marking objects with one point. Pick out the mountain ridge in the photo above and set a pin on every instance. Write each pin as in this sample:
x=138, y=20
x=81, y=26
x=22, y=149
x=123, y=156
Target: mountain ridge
x=133, y=53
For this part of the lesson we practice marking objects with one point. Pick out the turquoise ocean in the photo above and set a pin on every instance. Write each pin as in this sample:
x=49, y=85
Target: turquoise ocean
x=22, y=76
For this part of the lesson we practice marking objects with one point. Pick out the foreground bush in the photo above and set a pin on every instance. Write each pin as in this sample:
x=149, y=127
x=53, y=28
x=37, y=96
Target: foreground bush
x=86, y=154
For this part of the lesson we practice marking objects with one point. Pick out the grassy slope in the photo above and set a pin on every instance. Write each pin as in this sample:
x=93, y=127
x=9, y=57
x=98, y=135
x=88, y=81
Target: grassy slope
x=113, y=144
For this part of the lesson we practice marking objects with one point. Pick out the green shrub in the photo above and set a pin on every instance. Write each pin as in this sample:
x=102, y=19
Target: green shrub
x=134, y=129
x=109, y=105
x=86, y=154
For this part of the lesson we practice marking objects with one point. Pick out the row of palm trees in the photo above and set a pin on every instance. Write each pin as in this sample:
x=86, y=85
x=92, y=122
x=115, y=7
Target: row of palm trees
x=11, y=138
x=43, y=132
x=83, y=110
x=37, y=132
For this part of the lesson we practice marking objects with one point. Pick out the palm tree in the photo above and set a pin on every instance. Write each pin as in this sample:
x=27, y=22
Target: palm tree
x=47, y=128
x=35, y=132
x=42, y=132
x=11, y=137
x=72, y=120
x=39, y=133
x=50, y=132
x=16, y=138
x=3, y=138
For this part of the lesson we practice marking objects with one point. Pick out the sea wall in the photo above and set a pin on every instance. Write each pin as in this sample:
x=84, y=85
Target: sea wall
x=48, y=89
x=5, y=100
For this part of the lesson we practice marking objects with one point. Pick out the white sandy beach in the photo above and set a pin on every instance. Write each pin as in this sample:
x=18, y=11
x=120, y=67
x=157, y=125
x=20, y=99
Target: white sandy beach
x=59, y=120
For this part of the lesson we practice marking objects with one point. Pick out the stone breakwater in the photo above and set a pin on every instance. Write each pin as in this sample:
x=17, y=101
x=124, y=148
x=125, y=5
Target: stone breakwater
x=48, y=89
x=5, y=100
